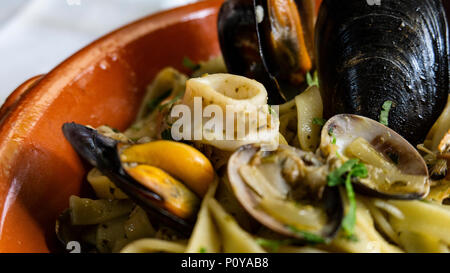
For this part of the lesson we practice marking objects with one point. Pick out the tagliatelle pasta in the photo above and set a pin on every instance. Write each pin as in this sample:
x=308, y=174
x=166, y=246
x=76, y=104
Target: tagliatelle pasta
x=369, y=240
x=205, y=236
x=114, y=223
x=309, y=107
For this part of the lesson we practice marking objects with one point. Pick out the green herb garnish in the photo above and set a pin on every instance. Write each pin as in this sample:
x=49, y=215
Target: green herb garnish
x=352, y=238
x=335, y=177
x=309, y=237
x=153, y=104
x=273, y=245
x=384, y=115
x=312, y=80
x=343, y=176
x=319, y=121
x=349, y=221
x=202, y=250
x=271, y=111
x=189, y=64
x=359, y=170
x=331, y=134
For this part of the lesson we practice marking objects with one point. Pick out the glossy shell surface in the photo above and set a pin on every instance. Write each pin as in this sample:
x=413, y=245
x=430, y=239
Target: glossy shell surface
x=396, y=51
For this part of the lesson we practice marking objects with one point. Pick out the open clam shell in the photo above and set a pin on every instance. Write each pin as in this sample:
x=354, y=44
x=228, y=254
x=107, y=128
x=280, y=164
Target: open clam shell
x=400, y=155
x=250, y=200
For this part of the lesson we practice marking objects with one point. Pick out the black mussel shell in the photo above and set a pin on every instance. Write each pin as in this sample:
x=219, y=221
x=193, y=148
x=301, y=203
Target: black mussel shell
x=247, y=50
x=239, y=43
x=101, y=152
x=396, y=51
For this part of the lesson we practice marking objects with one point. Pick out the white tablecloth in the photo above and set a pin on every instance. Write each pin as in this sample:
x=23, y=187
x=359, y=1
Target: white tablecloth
x=36, y=35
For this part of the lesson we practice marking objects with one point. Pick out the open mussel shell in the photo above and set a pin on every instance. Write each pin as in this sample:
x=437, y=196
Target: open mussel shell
x=250, y=200
x=269, y=41
x=239, y=43
x=345, y=129
x=397, y=51
x=102, y=152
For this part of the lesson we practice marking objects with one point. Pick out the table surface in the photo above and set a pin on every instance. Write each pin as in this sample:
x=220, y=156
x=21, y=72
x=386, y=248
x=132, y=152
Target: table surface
x=36, y=35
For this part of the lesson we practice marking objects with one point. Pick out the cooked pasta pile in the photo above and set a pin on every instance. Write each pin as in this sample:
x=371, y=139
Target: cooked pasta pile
x=114, y=223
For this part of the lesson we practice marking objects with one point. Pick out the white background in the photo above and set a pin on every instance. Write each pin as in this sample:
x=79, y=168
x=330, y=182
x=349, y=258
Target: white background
x=36, y=35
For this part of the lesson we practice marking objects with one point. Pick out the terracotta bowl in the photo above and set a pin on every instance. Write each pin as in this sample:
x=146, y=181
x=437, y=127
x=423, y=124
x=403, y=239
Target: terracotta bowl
x=101, y=84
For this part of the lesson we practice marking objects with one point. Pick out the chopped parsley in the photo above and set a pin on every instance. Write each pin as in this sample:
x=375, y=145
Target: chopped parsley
x=343, y=176
x=384, y=115
x=331, y=134
x=271, y=111
x=189, y=64
x=352, y=238
x=307, y=236
x=335, y=177
x=273, y=245
x=319, y=121
x=349, y=221
x=312, y=80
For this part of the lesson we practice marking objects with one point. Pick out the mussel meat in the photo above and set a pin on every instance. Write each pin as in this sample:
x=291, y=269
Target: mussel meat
x=397, y=51
x=270, y=41
x=148, y=173
x=396, y=169
x=286, y=191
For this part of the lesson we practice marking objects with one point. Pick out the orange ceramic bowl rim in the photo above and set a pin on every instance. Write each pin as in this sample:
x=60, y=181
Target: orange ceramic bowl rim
x=28, y=113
